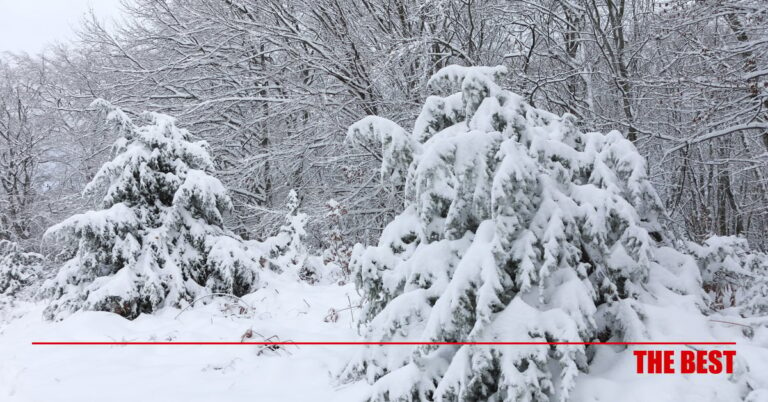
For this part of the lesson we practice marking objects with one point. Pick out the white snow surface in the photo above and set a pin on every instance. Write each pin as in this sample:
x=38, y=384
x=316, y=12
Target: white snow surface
x=292, y=311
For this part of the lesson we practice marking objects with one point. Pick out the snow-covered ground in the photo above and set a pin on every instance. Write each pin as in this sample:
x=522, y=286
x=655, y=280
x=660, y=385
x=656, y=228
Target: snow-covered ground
x=290, y=311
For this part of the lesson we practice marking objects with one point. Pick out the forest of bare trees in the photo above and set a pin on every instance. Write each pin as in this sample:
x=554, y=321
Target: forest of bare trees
x=273, y=85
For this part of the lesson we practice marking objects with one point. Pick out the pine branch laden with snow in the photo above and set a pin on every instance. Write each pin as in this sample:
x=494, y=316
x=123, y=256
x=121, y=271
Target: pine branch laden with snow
x=159, y=238
x=385, y=140
x=517, y=227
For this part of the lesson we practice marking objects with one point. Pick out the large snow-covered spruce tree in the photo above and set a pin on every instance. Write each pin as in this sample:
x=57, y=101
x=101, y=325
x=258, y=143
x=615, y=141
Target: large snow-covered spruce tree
x=517, y=227
x=158, y=239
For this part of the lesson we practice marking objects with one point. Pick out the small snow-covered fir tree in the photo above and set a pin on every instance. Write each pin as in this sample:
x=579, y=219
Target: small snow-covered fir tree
x=20, y=274
x=517, y=227
x=158, y=239
x=287, y=248
x=18, y=269
x=336, y=252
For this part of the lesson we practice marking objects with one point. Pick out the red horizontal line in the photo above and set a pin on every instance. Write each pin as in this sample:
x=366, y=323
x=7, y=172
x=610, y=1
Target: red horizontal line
x=374, y=343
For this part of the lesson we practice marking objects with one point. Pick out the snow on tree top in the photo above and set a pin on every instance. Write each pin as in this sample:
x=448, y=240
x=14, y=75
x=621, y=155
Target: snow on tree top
x=455, y=76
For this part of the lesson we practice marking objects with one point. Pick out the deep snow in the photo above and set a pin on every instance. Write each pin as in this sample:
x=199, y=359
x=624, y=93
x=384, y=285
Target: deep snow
x=292, y=311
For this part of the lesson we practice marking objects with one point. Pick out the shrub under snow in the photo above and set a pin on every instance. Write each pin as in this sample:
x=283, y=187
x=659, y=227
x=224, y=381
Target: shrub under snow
x=734, y=276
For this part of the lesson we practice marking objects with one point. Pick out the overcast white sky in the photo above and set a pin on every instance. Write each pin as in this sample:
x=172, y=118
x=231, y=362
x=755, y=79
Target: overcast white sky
x=28, y=25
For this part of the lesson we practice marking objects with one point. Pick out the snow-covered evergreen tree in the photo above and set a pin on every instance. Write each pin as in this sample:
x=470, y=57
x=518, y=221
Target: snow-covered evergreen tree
x=158, y=239
x=20, y=274
x=287, y=248
x=18, y=269
x=517, y=227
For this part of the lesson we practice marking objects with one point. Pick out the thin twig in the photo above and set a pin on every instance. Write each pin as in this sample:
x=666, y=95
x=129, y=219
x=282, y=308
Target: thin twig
x=351, y=312
x=732, y=323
